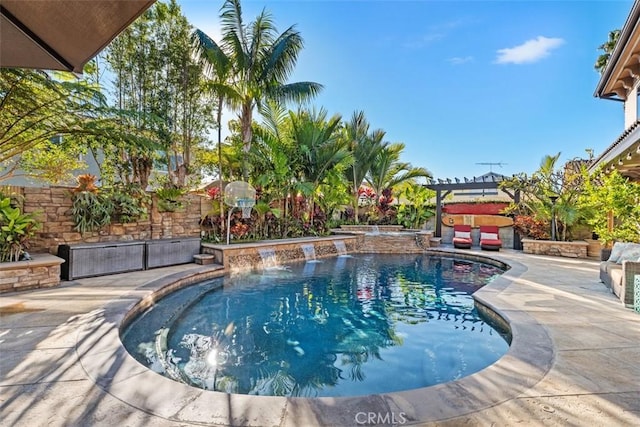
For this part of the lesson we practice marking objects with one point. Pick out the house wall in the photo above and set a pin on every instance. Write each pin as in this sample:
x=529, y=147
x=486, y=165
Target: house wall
x=52, y=206
x=631, y=107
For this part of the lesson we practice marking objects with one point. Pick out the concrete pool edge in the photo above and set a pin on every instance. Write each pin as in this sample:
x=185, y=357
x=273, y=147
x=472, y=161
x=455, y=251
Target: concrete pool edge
x=109, y=365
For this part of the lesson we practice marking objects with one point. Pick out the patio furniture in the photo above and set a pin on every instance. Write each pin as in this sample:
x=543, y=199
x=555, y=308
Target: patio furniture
x=462, y=236
x=97, y=259
x=165, y=252
x=618, y=268
x=490, y=238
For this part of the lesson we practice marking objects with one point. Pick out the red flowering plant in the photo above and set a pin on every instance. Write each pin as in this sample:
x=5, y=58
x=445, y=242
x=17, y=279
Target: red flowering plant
x=366, y=195
x=529, y=226
x=386, y=212
x=239, y=230
x=213, y=193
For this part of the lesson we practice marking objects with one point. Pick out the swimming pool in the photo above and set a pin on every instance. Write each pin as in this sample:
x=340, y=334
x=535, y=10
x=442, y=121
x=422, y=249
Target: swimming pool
x=341, y=327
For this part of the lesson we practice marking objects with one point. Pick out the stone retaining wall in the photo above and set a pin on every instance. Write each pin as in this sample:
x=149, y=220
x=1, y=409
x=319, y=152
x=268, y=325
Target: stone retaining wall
x=43, y=271
x=371, y=228
x=52, y=206
x=575, y=249
x=244, y=256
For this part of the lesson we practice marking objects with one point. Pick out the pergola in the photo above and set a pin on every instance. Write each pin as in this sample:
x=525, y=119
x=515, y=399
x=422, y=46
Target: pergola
x=444, y=187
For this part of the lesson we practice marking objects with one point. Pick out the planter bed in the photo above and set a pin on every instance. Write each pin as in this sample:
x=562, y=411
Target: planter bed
x=575, y=249
x=43, y=271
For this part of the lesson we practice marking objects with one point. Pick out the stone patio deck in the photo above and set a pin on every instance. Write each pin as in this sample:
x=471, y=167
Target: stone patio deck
x=574, y=361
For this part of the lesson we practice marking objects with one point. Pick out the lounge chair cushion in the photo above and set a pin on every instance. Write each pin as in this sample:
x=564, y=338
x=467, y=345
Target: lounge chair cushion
x=488, y=236
x=462, y=234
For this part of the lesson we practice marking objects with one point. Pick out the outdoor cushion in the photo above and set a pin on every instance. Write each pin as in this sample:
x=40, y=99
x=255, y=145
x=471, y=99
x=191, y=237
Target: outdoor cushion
x=491, y=242
x=488, y=236
x=616, y=251
x=630, y=253
x=462, y=234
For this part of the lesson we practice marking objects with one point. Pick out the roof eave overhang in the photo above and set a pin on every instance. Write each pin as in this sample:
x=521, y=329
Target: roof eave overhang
x=622, y=68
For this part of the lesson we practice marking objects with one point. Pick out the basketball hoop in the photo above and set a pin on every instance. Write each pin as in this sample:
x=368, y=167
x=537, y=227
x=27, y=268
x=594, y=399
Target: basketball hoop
x=239, y=194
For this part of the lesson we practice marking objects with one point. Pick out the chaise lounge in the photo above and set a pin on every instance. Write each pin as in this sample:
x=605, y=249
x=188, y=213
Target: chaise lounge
x=462, y=236
x=490, y=238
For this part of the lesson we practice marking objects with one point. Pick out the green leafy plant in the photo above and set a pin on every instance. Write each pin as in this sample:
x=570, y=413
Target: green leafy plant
x=16, y=229
x=612, y=203
x=169, y=199
x=417, y=209
x=91, y=211
x=130, y=203
x=550, y=195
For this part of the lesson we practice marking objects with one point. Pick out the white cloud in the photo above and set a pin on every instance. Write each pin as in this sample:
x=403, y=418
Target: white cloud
x=529, y=51
x=422, y=41
x=458, y=60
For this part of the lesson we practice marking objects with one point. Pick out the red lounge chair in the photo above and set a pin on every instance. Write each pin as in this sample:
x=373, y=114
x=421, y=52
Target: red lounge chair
x=490, y=238
x=462, y=236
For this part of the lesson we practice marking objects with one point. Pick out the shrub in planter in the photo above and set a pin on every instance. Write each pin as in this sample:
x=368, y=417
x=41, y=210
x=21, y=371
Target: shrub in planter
x=169, y=199
x=528, y=226
x=130, y=203
x=16, y=229
x=90, y=210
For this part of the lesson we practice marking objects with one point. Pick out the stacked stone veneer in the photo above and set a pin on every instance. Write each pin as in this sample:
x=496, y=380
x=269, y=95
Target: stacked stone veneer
x=246, y=256
x=52, y=206
x=576, y=249
x=42, y=271
x=396, y=242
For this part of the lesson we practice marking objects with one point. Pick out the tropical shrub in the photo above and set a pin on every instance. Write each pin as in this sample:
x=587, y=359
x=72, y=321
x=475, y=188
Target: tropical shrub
x=550, y=193
x=16, y=229
x=130, y=203
x=417, y=210
x=90, y=210
x=529, y=226
x=170, y=198
x=612, y=196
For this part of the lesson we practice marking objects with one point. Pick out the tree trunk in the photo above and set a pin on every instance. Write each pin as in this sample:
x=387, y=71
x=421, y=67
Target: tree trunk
x=220, y=186
x=247, y=135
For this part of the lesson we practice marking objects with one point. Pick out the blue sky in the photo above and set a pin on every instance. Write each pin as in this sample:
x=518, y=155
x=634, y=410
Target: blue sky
x=458, y=82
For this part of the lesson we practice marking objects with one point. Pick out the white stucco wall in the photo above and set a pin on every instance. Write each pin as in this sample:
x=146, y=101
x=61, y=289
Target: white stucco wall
x=631, y=107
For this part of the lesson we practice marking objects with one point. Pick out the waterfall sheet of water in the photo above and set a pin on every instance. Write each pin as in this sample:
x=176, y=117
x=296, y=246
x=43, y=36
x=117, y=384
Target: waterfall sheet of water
x=309, y=252
x=269, y=259
x=341, y=249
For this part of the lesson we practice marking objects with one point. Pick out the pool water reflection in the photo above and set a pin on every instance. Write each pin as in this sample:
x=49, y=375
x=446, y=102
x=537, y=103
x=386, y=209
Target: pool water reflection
x=341, y=327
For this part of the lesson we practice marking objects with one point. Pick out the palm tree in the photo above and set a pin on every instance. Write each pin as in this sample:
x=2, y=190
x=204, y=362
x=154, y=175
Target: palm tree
x=363, y=146
x=387, y=171
x=262, y=61
x=217, y=67
x=273, y=152
x=321, y=150
x=607, y=48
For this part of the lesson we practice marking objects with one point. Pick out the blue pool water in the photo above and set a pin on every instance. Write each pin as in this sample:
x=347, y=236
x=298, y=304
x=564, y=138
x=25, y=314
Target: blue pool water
x=340, y=327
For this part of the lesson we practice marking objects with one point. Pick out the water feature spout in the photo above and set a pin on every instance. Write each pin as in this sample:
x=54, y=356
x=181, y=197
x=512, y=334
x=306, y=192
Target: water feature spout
x=269, y=259
x=341, y=248
x=309, y=252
